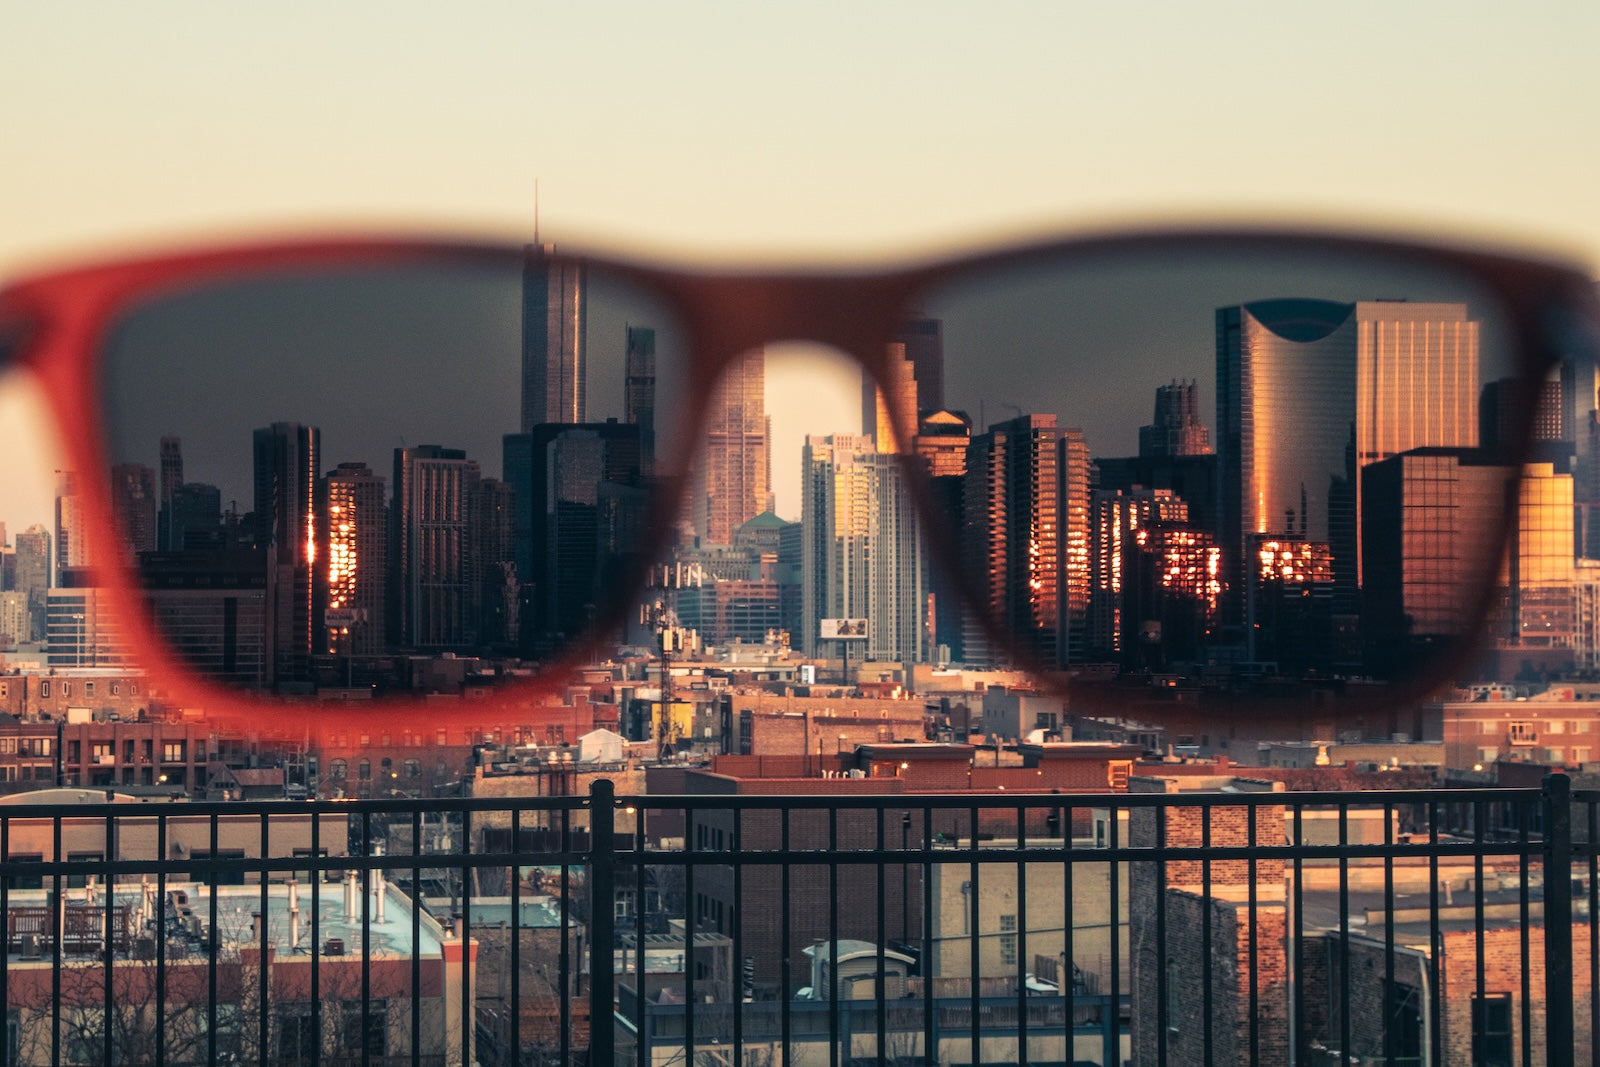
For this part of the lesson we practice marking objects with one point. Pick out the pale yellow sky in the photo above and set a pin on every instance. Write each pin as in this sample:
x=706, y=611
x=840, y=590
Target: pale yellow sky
x=829, y=129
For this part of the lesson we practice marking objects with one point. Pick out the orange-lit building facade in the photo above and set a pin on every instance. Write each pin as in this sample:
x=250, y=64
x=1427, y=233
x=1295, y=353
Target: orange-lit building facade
x=356, y=559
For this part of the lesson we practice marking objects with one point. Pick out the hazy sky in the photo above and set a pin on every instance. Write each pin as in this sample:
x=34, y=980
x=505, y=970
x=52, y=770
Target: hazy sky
x=829, y=129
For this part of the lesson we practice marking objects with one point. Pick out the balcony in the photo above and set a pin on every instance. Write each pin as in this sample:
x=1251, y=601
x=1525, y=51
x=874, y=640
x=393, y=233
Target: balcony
x=1150, y=926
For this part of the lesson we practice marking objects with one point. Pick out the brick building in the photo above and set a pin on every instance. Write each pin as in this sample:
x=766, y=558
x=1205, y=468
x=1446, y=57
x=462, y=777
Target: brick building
x=1191, y=931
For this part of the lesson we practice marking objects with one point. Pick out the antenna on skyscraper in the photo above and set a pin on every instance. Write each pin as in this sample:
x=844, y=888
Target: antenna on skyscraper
x=536, y=211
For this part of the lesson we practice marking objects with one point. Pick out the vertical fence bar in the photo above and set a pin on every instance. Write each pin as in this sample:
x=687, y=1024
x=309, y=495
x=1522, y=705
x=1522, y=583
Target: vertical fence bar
x=161, y=932
x=514, y=877
x=263, y=1032
x=1022, y=933
x=1435, y=939
x=1206, y=1012
x=1344, y=935
x=1525, y=915
x=1558, y=920
x=108, y=952
x=416, y=936
x=1251, y=881
x=602, y=913
x=468, y=995
x=1592, y=846
x=5, y=910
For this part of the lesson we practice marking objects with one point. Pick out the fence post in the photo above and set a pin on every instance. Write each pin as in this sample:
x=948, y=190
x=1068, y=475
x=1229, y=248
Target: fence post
x=602, y=923
x=1558, y=920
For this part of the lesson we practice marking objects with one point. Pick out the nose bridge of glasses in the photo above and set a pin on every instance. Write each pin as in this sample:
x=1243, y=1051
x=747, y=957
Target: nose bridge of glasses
x=852, y=314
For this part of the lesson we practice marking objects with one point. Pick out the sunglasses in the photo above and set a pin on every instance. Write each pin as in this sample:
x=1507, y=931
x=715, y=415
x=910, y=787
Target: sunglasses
x=1185, y=476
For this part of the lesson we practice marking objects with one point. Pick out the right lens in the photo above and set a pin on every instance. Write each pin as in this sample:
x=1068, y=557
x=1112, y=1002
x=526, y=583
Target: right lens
x=1219, y=466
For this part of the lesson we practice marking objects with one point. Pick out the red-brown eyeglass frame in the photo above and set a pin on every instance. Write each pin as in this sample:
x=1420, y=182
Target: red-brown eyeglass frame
x=53, y=325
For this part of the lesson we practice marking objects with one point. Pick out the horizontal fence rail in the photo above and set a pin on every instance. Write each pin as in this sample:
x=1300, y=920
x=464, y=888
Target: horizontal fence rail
x=1393, y=927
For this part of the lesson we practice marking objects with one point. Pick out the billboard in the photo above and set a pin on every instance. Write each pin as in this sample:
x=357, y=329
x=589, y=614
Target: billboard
x=844, y=629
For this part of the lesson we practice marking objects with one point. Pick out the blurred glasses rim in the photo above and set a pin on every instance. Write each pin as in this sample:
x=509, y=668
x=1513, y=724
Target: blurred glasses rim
x=51, y=325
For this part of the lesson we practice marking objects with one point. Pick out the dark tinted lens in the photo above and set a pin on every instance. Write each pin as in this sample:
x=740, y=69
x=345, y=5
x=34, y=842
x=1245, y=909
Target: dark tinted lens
x=1217, y=468
x=322, y=470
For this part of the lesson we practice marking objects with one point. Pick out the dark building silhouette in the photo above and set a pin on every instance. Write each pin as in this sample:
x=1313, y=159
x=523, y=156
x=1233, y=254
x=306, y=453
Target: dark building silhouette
x=923, y=339
x=134, y=506
x=1177, y=429
x=640, y=392
x=171, y=480
x=287, y=460
x=211, y=609
x=195, y=516
x=579, y=502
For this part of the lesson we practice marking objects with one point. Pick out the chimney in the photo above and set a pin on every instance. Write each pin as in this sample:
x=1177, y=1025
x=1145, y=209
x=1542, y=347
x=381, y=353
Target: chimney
x=294, y=926
x=352, y=898
x=382, y=894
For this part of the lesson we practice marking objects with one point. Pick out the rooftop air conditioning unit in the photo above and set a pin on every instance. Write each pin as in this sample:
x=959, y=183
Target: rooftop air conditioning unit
x=31, y=947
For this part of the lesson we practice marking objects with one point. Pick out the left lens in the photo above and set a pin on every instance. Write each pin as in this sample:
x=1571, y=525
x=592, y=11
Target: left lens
x=435, y=454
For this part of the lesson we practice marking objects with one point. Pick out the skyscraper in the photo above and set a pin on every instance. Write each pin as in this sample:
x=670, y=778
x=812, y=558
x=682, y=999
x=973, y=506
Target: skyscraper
x=171, y=482
x=890, y=432
x=640, y=392
x=133, y=505
x=1311, y=391
x=1026, y=537
x=923, y=346
x=287, y=459
x=554, y=313
x=357, y=560
x=1176, y=429
x=733, y=474
x=578, y=511
x=863, y=553
x=33, y=572
x=72, y=541
x=435, y=579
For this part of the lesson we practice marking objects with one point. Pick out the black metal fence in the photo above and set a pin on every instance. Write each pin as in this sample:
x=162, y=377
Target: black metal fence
x=869, y=925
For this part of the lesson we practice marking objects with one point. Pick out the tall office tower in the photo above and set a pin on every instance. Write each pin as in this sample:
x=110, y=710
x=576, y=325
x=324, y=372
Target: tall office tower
x=923, y=341
x=1432, y=518
x=133, y=505
x=211, y=606
x=1176, y=429
x=1311, y=391
x=171, y=481
x=494, y=547
x=1416, y=378
x=196, y=517
x=891, y=433
x=1120, y=522
x=554, y=317
x=863, y=554
x=732, y=475
x=356, y=525
x=287, y=461
x=16, y=621
x=639, y=400
x=81, y=629
x=72, y=542
x=579, y=506
x=1500, y=408
x=1026, y=543
x=33, y=572
x=435, y=579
